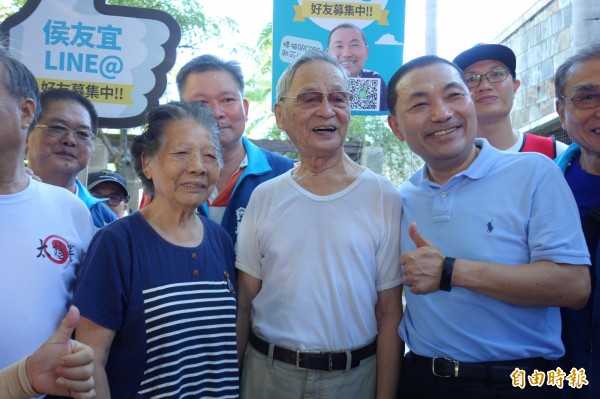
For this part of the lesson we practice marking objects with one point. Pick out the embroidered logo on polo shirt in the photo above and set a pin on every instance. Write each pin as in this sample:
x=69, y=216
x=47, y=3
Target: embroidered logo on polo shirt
x=56, y=249
x=490, y=226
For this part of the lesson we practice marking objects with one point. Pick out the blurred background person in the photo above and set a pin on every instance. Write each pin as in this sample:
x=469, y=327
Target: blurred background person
x=157, y=290
x=112, y=187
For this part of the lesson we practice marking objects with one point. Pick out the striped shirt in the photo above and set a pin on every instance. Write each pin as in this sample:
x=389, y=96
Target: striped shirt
x=173, y=310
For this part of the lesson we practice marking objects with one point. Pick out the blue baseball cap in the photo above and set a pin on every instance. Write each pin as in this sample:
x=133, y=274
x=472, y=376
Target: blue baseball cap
x=484, y=51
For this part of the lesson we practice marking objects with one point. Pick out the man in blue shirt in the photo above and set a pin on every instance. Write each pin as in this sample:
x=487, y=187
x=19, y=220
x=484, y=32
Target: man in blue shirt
x=486, y=261
x=220, y=85
x=60, y=146
x=577, y=86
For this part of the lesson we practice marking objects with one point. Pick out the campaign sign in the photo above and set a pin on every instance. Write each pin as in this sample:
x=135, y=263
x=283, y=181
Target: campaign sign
x=365, y=36
x=116, y=56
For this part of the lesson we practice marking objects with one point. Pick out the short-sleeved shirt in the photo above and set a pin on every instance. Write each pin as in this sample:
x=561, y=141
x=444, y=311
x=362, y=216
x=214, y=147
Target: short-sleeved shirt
x=321, y=260
x=44, y=234
x=173, y=309
x=501, y=209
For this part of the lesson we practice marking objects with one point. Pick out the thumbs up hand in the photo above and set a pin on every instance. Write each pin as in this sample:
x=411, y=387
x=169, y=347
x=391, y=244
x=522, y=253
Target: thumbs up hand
x=421, y=268
x=63, y=366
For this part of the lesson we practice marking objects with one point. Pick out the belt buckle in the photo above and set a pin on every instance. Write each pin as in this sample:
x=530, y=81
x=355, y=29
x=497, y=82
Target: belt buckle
x=327, y=355
x=329, y=361
x=454, y=362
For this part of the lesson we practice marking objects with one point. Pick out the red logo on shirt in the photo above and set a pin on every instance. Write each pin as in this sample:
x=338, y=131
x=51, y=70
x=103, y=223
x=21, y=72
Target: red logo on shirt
x=57, y=249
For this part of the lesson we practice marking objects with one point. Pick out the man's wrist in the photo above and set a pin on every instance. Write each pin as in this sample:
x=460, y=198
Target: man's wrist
x=446, y=277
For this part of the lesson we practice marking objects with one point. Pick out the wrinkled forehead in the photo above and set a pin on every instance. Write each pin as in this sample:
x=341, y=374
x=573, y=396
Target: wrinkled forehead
x=584, y=76
x=317, y=75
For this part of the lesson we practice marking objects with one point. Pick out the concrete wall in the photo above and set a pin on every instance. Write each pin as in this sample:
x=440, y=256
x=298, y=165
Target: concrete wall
x=542, y=39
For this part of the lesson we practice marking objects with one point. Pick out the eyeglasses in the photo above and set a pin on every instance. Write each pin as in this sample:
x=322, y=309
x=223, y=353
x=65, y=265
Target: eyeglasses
x=113, y=199
x=584, y=100
x=311, y=99
x=495, y=76
x=58, y=131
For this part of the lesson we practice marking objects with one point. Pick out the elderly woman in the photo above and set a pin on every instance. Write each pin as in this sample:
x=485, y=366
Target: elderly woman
x=156, y=292
x=318, y=250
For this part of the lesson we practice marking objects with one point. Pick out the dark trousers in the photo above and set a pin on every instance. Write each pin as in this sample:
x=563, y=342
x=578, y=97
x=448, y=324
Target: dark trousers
x=417, y=381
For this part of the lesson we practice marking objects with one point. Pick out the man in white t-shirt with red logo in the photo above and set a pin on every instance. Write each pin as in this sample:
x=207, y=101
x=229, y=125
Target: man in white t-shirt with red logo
x=44, y=233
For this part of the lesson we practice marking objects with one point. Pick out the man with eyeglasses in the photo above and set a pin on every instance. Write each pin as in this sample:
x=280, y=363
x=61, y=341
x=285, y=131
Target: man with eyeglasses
x=320, y=295
x=577, y=87
x=490, y=70
x=112, y=187
x=60, y=146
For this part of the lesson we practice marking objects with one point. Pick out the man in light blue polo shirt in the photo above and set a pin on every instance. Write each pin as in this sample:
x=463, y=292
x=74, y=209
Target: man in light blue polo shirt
x=490, y=259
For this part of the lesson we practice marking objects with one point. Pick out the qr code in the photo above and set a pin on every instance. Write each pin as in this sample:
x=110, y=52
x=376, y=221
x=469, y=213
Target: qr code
x=365, y=94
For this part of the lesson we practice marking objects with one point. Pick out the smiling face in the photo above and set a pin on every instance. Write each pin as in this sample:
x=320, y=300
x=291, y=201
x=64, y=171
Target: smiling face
x=319, y=130
x=351, y=51
x=219, y=91
x=493, y=101
x=185, y=170
x=582, y=125
x=435, y=115
x=58, y=159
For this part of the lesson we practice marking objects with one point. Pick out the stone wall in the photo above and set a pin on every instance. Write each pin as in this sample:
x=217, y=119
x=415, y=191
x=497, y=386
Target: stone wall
x=541, y=40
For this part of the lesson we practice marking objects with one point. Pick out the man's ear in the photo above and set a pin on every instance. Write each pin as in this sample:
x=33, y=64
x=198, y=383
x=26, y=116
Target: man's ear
x=394, y=126
x=246, y=105
x=560, y=110
x=278, y=115
x=516, y=85
x=27, y=110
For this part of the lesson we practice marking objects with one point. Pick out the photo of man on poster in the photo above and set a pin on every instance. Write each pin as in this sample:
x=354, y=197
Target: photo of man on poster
x=348, y=43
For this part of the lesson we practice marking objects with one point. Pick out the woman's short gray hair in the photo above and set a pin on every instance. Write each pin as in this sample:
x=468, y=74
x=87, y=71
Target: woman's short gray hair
x=151, y=141
x=285, y=81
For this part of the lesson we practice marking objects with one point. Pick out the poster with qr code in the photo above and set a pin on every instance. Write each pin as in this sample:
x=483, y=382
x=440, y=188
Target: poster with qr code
x=366, y=94
x=365, y=36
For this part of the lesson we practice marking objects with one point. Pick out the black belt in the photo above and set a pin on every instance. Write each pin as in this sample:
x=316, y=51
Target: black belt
x=326, y=361
x=488, y=371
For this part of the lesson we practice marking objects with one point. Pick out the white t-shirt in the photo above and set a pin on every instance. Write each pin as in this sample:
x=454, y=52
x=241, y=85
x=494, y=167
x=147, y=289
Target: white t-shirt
x=560, y=146
x=321, y=260
x=44, y=233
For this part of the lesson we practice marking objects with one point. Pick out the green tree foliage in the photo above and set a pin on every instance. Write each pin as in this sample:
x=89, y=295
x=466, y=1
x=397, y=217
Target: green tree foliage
x=196, y=26
x=399, y=163
x=10, y=7
x=258, y=88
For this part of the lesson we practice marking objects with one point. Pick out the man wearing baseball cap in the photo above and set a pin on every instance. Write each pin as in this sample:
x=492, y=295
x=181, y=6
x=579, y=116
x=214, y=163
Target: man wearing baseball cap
x=490, y=70
x=112, y=186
